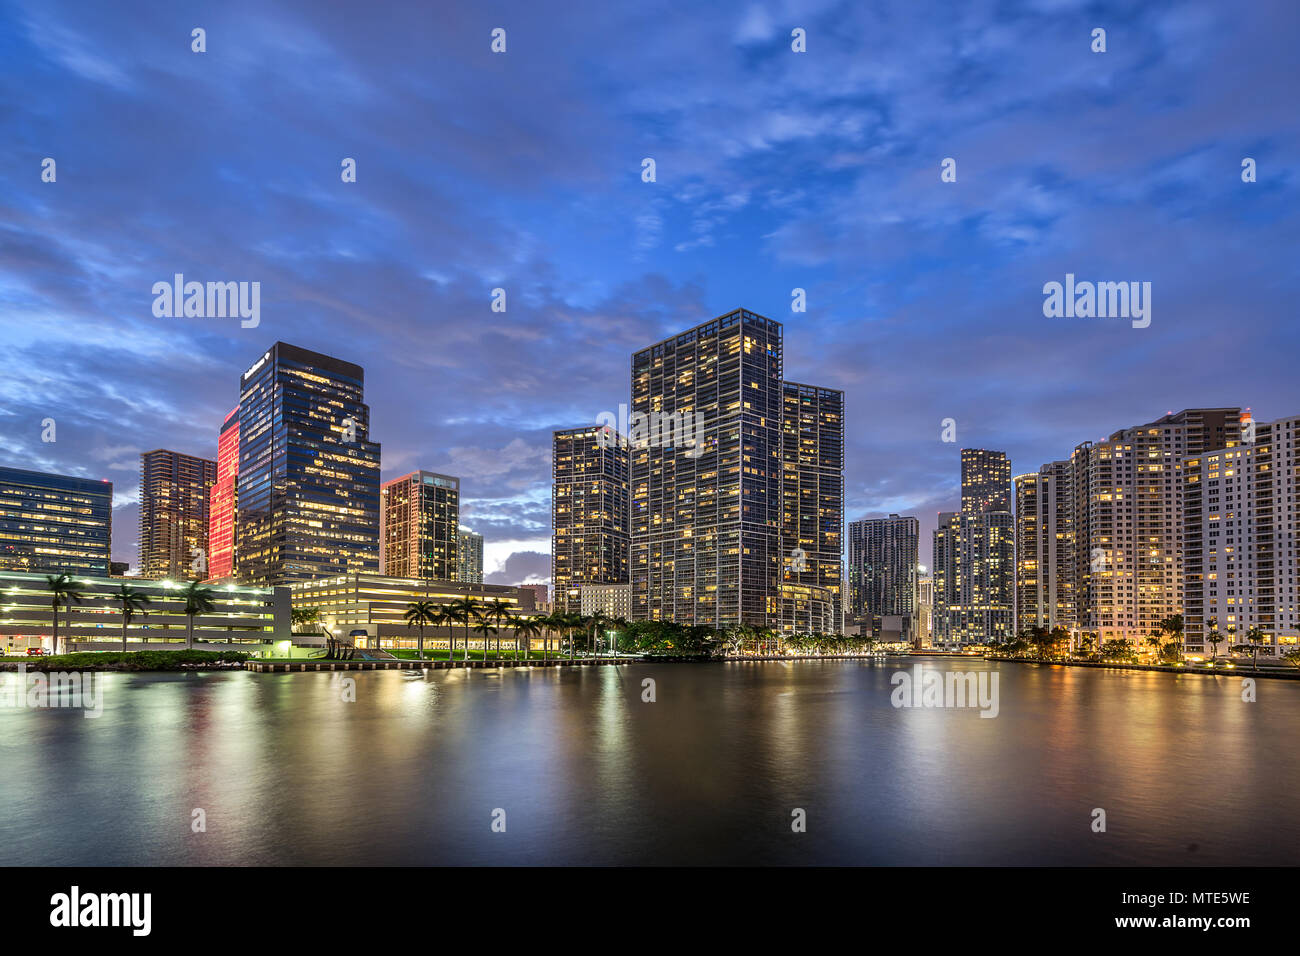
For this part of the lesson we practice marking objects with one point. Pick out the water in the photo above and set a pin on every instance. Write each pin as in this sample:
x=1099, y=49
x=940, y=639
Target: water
x=288, y=773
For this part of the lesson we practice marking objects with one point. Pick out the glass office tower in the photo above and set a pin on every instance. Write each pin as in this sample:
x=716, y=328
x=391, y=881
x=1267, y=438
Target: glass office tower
x=308, y=501
x=54, y=523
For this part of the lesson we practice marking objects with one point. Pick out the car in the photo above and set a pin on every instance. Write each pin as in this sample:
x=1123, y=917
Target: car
x=36, y=652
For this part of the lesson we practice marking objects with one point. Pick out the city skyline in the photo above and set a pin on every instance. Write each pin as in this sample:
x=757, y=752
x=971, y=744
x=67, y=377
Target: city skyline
x=909, y=281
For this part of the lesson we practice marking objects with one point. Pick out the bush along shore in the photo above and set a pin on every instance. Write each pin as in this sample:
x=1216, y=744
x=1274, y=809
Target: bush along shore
x=181, y=660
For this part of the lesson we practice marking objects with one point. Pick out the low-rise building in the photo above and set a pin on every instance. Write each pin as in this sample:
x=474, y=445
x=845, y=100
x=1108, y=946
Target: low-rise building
x=374, y=606
x=93, y=621
x=612, y=600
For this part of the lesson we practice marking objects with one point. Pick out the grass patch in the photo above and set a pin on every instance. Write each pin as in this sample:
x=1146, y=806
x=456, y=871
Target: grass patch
x=129, y=661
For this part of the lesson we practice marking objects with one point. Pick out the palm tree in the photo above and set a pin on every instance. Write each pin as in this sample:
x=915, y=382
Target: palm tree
x=63, y=590
x=1214, y=639
x=467, y=612
x=1255, y=637
x=574, y=622
x=598, y=622
x=485, y=627
x=526, y=628
x=198, y=600
x=1173, y=626
x=132, y=600
x=501, y=613
x=556, y=622
x=420, y=614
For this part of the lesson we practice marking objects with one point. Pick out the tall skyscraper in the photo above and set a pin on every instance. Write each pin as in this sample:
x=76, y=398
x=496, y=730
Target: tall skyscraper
x=1241, y=540
x=469, y=557
x=812, y=494
x=985, y=481
x=1045, y=548
x=974, y=555
x=419, y=522
x=714, y=540
x=706, y=519
x=883, y=556
x=924, y=611
x=174, y=514
x=589, y=512
x=221, y=501
x=54, y=523
x=308, y=502
x=1116, y=520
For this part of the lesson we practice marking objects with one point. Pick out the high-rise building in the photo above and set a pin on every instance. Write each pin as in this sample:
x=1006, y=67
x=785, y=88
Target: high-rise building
x=707, y=518
x=1108, y=543
x=1045, y=548
x=924, y=611
x=812, y=494
x=54, y=523
x=1241, y=539
x=985, y=481
x=419, y=522
x=221, y=501
x=721, y=524
x=1128, y=520
x=883, y=556
x=174, y=514
x=308, y=502
x=469, y=559
x=974, y=555
x=589, y=512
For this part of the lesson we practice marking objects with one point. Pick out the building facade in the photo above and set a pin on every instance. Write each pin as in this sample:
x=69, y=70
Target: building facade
x=1045, y=548
x=706, y=519
x=419, y=519
x=375, y=604
x=221, y=502
x=308, y=502
x=469, y=557
x=924, y=611
x=1241, y=539
x=883, y=560
x=743, y=524
x=975, y=554
x=612, y=600
x=589, y=512
x=240, y=615
x=812, y=493
x=1103, y=553
x=54, y=523
x=174, y=514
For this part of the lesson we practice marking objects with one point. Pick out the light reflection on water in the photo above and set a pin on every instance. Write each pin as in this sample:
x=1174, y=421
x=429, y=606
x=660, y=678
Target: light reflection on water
x=288, y=773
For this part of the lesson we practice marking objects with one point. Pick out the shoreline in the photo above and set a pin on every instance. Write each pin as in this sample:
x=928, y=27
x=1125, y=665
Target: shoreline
x=1238, y=671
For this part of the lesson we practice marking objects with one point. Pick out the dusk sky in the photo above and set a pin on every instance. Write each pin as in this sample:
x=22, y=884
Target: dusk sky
x=775, y=170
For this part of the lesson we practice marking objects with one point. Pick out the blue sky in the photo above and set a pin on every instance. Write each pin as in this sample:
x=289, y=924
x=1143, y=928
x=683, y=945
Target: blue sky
x=775, y=170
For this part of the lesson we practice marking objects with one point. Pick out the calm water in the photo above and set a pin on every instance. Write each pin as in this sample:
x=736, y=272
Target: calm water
x=587, y=773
